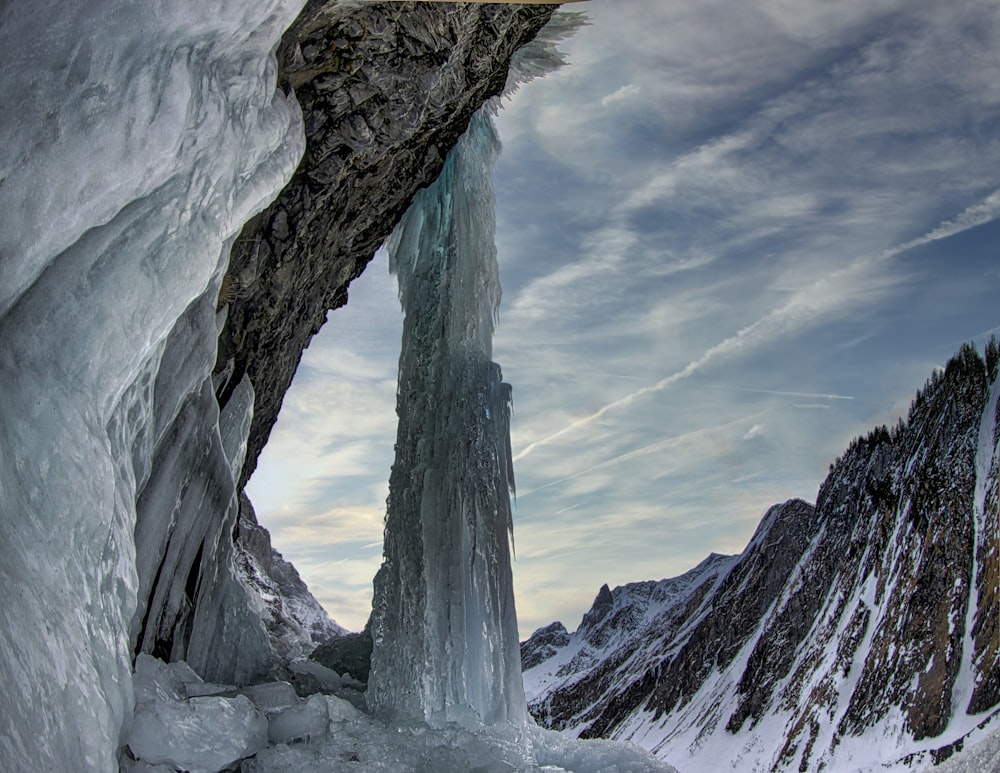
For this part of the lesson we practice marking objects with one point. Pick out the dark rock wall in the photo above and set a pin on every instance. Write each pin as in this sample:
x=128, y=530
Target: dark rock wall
x=386, y=90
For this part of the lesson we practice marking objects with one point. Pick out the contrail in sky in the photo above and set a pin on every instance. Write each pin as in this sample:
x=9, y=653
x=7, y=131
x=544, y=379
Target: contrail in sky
x=818, y=396
x=802, y=307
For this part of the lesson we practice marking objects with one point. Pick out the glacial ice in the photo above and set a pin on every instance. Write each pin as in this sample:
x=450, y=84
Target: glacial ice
x=143, y=139
x=443, y=620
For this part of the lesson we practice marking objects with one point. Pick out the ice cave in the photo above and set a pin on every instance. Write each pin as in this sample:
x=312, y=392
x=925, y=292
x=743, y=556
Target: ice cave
x=144, y=139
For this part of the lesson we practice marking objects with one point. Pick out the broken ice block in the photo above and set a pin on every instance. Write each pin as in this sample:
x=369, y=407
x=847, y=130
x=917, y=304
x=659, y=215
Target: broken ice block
x=272, y=696
x=197, y=734
x=299, y=722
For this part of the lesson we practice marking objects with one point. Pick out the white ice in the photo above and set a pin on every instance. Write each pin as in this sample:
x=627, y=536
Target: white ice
x=136, y=141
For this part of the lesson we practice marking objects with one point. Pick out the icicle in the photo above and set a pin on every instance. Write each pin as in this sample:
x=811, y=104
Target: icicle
x=444, y=625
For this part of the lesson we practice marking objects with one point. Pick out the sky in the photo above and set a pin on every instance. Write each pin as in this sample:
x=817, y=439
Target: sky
x=732, y=236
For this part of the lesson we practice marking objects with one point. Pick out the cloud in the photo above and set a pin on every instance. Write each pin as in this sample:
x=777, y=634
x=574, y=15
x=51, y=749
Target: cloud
x=623, y=94
x=347, y=524
x=765, y=196
x=672, y=442
x=829, y=295
x=755, y=431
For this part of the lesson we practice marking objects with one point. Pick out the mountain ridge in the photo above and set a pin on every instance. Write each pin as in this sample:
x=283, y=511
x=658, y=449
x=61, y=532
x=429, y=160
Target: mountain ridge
x=869, y=615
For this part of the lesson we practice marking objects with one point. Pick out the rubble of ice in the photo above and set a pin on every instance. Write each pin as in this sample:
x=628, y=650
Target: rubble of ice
x=267, y=728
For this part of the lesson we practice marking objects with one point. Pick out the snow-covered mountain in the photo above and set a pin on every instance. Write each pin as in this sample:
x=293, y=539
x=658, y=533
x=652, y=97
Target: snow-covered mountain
x=295, y=621
x=862, y=633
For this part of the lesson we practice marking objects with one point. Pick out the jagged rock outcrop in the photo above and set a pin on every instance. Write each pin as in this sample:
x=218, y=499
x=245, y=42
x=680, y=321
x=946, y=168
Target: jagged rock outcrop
x=543, y=644
x=296, y=623
x=386, y=90
x=859, y=632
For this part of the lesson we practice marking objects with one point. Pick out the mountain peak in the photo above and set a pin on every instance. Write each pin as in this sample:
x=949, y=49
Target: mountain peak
x=872, y=609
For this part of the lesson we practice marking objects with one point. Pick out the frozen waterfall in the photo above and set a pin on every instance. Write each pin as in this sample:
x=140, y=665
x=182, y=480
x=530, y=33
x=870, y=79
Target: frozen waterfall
x=444, y=625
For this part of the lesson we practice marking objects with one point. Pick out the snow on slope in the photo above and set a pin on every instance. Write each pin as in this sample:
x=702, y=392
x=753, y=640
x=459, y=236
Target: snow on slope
x=847, y=635
x=613, y=623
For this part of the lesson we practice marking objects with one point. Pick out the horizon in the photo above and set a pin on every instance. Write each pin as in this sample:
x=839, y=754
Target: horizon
x=730, y=240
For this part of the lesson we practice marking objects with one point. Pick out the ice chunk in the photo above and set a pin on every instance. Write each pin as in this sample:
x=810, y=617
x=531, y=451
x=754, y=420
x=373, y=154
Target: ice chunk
x=154, y=680
x=145, y=767
x=327, y=679
x=341, y=710
x=197, y=734
x=234, y=425
x=199, y=689
x=184, y=673
x=304, y=721
x=556, y=752
x=272, y=696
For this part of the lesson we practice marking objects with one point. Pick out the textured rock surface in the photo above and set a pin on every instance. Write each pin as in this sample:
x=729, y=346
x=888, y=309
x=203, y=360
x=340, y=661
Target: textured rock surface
x=295, y=621
x=865, y=625
x=386, y=90
x=543, y=644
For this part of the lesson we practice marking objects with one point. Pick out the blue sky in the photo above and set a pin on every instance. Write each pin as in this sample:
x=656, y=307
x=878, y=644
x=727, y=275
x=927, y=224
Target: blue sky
x=731, y=238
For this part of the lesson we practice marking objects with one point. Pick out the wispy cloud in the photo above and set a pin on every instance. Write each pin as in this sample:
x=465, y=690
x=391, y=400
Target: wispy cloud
x=716, y=218
x=830, y=295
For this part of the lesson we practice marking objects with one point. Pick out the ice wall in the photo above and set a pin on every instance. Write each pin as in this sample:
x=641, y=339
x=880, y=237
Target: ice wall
x=137, y=138
x=444, y=625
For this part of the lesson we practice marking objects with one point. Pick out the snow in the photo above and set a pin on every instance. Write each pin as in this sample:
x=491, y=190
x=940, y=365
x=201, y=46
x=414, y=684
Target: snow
x=981, y=756
x=443, y=622
x=143, y=140
x=646, y=602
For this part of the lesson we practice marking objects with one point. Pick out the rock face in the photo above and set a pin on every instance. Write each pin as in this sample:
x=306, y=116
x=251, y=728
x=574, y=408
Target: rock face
x=856, y=633
x=296, y=623
x=386, y=90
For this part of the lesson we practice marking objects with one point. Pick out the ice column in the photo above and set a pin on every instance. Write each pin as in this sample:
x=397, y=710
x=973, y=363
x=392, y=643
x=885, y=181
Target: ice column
x=444, y=625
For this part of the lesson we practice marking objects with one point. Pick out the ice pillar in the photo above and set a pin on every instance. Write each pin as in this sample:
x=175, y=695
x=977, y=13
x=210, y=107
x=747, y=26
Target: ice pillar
x=444, y=625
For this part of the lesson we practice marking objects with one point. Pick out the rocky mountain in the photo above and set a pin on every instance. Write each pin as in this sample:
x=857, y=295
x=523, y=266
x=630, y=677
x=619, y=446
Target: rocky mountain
x=295, y=621
x=859, y=633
